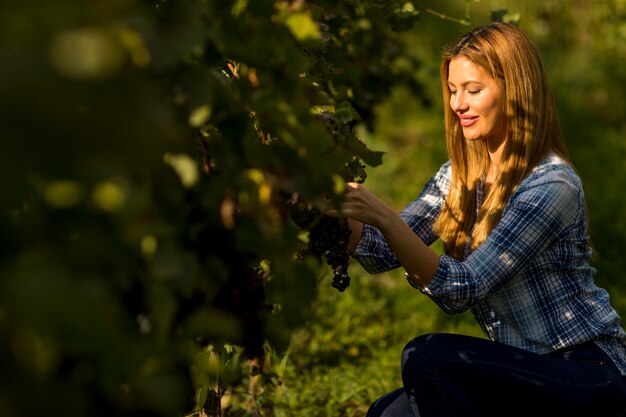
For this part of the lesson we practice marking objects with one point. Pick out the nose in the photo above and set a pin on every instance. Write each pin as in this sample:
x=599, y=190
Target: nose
x=458, y=103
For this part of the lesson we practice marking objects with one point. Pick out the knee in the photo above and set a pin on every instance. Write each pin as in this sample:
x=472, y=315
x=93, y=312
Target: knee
x=425, y=346
x=425, y=354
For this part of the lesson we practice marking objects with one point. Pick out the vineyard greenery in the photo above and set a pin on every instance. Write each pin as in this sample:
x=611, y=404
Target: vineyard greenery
x=158, y=155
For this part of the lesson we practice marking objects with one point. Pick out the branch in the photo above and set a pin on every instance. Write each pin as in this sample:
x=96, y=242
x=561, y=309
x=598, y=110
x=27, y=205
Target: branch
x=446, y=17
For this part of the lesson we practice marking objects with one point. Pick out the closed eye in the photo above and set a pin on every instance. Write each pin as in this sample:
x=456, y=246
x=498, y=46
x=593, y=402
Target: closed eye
x=474, y=92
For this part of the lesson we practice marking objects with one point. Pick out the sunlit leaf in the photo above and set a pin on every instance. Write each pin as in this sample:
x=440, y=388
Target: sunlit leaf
x=86, y=53
x=108, y=196
x=149, y=245
x=135, y=45
x=403, y=18
x=200, y=115
x=503, y=15
x=302, y=26
x=62, y=194
x=239, y=7
x=185, y=167
x=339, y=185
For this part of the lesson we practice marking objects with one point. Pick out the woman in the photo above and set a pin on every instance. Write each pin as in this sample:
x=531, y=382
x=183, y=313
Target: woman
x=510, y=210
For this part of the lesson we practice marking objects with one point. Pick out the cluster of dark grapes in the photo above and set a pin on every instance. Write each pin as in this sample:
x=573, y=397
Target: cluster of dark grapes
x=329, y=238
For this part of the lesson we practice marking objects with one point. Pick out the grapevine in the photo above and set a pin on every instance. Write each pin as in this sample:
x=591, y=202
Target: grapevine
x=328, y=239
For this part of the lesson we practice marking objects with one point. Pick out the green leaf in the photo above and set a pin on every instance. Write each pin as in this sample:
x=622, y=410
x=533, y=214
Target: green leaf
x=503, y=15
x=346, y=113
x=403, y=18
x=201, y=396
x=370, y=157
x=357, y=170
x=302, y=26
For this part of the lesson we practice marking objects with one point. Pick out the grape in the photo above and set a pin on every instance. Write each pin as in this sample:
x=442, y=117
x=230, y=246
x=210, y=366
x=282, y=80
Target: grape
x=328, y=238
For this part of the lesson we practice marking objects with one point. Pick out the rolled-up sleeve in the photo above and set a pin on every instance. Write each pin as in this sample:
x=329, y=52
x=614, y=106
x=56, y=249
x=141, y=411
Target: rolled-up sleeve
x=536, y=216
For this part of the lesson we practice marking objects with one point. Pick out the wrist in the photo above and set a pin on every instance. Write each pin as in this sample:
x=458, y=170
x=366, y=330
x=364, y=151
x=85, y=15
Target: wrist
x=389, y=221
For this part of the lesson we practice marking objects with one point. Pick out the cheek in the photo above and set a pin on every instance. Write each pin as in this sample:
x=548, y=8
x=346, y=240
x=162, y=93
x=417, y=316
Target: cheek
x=501, y=114
x=495, y=109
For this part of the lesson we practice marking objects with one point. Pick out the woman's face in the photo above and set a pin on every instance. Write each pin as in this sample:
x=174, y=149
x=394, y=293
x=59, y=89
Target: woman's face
x=476, y=98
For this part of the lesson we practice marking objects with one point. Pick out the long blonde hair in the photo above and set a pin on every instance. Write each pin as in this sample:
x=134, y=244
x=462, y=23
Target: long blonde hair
x=532, y=132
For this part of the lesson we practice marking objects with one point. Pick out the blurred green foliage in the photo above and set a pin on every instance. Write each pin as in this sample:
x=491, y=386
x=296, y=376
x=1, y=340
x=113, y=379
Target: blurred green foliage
x=151, y=151
x=150, y=148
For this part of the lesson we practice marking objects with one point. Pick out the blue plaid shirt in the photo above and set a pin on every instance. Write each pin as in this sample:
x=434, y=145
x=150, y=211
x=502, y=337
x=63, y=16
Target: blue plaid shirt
x=529, y=284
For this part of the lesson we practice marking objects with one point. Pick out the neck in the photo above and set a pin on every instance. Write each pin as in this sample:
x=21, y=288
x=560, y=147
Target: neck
x=495, y=146
x=492, y=173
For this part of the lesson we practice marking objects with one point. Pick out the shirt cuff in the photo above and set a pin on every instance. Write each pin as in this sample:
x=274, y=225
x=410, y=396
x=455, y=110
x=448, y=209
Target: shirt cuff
x=436, y=284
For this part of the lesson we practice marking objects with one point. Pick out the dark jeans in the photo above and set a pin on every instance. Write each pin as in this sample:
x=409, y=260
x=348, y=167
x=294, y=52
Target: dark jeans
x=448, y=375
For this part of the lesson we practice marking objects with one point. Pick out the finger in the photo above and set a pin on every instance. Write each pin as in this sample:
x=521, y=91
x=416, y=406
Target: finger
x=333, y=213
x=338, y=213
x=352, y=186
x=353, y=190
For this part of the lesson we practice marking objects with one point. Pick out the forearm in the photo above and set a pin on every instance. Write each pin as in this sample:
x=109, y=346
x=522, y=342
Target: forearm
x=419, y=261
x=356, y=233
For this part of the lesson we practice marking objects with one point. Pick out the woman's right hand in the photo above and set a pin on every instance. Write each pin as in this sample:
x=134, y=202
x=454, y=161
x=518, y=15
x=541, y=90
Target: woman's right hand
x=362, y=205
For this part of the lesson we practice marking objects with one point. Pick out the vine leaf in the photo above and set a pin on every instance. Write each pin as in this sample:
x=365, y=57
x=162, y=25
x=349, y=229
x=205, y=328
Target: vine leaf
x=345, y=113
x=503, y=15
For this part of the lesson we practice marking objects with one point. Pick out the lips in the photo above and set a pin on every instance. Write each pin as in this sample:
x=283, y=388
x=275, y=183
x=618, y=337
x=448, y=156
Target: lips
x=467, y=121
